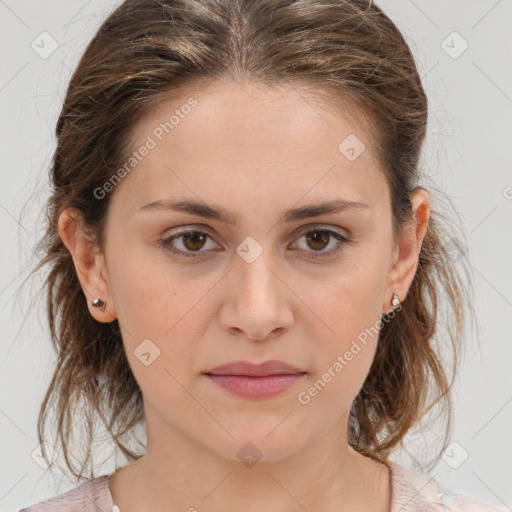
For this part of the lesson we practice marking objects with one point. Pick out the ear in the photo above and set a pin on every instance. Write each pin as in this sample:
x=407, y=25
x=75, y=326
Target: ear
x=89, y=263
x=406, y=253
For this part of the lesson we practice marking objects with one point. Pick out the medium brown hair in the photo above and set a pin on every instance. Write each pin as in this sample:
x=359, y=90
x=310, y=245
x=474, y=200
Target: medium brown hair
x=149, y=49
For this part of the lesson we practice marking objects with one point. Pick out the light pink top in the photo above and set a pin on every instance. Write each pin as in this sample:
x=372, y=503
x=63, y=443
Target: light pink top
x=410, y=492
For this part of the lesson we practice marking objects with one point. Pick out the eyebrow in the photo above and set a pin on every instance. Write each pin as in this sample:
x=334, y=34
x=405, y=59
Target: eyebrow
x=216, y=213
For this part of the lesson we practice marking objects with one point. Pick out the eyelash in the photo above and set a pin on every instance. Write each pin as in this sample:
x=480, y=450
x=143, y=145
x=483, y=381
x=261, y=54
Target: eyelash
x=166, y=243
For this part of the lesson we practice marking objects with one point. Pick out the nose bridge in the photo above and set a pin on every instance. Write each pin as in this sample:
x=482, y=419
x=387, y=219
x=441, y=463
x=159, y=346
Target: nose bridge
x=256, y=270
x=259, y=304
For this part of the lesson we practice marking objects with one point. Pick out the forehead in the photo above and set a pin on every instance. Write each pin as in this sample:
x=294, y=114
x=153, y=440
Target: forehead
x=245, y=138
x=232, y=111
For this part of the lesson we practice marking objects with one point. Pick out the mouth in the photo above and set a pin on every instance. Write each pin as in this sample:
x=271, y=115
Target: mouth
x=256, y=387
x=257, y=381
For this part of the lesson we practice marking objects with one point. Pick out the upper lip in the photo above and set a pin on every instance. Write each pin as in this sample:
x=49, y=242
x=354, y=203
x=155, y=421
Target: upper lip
x=272, y=367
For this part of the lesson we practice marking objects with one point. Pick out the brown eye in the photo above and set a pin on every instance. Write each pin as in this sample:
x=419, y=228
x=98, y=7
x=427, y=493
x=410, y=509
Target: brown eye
x=318, y=240
x=189, y=243
x=194, y=240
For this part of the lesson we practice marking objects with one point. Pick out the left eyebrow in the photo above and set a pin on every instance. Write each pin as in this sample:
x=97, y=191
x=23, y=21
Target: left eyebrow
x=217, y=213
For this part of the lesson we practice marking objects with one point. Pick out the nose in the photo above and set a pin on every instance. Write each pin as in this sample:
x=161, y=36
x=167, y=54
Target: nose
x=258, y=304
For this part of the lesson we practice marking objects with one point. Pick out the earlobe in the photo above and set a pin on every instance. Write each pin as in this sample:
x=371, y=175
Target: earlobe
x=89, y=264
x=98, y=303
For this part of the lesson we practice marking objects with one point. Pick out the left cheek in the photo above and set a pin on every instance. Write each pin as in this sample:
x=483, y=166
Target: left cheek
x=344, y=371
x=349, y=311
x=346, y=307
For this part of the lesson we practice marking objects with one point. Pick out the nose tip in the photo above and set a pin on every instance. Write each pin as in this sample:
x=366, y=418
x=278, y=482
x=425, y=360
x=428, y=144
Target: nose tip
x=261, y=336
x=258, y=305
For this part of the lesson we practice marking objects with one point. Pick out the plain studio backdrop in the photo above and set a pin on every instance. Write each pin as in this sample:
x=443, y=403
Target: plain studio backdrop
x=463, y=53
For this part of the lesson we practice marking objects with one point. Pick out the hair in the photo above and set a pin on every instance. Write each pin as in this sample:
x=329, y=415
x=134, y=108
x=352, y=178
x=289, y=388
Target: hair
x=147, y=50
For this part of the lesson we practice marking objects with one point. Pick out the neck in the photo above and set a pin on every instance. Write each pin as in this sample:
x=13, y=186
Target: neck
x=184, y=475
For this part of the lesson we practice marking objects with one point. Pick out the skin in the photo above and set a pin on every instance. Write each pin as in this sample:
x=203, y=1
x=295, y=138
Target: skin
x=256, y=151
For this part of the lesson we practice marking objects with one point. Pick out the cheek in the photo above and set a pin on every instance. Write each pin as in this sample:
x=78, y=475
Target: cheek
x=341, y=368
x=348, y=308
x=151, y=293
x=158, y=314
x=349, y=300
x=159, y=310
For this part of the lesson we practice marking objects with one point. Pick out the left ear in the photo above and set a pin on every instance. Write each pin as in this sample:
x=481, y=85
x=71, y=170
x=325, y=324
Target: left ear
x=407, y=250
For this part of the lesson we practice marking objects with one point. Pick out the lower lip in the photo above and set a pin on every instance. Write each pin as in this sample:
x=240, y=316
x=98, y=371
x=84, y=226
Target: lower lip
x=256, y=387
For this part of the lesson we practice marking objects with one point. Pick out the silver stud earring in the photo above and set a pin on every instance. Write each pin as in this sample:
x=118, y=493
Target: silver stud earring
x=98, y=303
x=396, y=301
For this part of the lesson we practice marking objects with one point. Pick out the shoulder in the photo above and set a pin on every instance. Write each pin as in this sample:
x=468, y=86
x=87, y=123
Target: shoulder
x=413, y=491
x=92, y=495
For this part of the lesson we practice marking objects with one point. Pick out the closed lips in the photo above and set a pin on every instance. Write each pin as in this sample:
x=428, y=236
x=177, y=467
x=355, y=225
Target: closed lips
x=249, y=369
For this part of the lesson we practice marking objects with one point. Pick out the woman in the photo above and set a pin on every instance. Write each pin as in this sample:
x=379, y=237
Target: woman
x=242, y=260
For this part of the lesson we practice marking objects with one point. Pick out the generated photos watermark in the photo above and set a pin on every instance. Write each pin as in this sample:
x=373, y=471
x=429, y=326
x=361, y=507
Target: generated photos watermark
x=305, y=397
x=158, y=133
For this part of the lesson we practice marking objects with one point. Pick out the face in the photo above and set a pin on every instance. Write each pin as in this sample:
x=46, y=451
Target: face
x=268, y=279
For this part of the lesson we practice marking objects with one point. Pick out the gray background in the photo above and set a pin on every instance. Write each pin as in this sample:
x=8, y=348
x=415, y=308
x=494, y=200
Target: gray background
x=466, y=157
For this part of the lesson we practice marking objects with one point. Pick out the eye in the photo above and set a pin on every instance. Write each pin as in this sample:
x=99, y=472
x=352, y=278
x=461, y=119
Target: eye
x=191, y=242
x=319, y=238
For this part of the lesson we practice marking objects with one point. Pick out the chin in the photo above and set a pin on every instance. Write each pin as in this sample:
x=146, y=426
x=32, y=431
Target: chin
x=259, y=443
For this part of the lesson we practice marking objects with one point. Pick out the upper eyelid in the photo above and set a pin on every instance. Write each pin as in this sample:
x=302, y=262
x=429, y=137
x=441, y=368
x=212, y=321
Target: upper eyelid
x=194, y=228
x=298, y=232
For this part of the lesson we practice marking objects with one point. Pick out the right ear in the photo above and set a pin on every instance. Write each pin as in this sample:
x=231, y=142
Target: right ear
x=89, y=263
